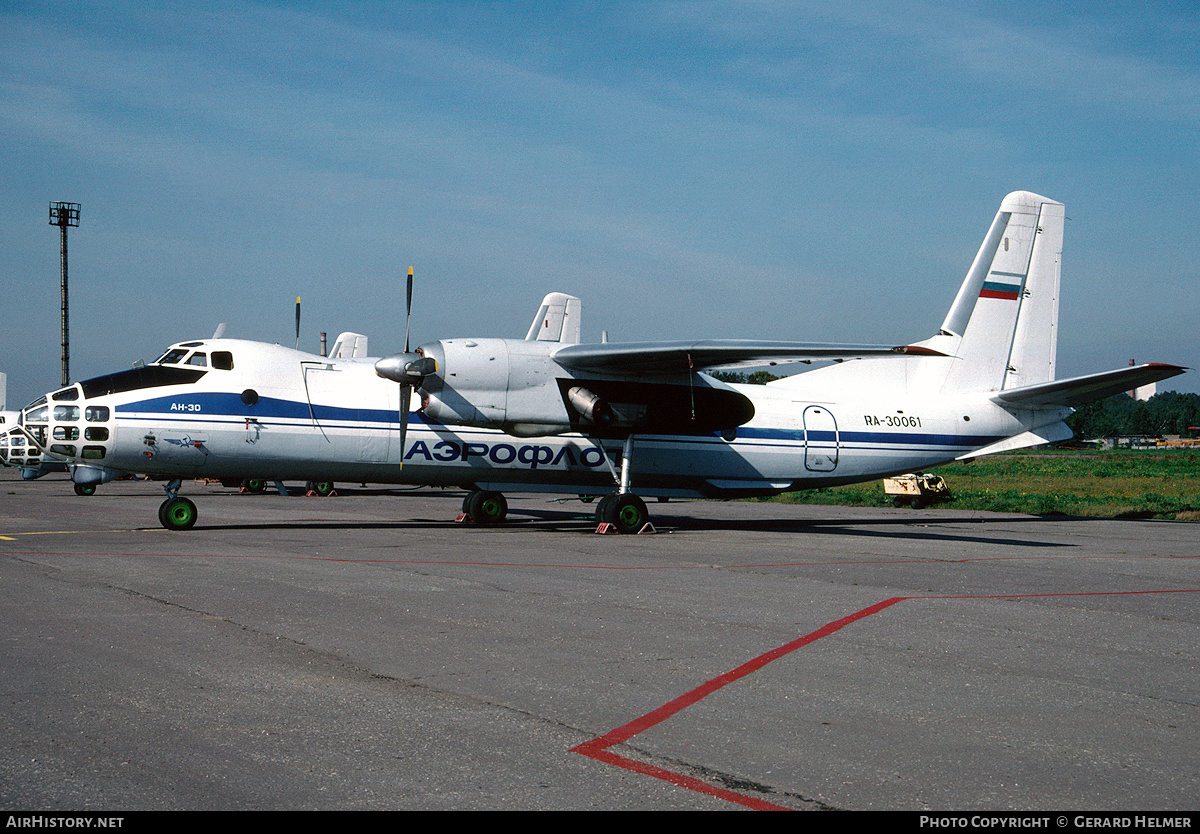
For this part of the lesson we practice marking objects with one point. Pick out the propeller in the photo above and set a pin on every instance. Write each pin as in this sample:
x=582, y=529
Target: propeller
x=409, y=368
x=297, y=322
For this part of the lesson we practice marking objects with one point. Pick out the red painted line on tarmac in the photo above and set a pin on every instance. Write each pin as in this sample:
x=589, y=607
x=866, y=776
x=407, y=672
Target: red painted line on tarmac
x=598, y=748
x=1068, y=594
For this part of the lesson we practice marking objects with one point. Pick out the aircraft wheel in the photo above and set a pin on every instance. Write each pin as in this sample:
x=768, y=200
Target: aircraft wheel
x=321, y=488
x=85, y=489
x=178, y=513
x=486, y=507
x=254, y=485
x=602, y=507
x=627, y=513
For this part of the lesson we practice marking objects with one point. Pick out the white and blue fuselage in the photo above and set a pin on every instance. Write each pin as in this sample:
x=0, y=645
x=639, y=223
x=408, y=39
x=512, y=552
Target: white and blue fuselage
x=231, y=409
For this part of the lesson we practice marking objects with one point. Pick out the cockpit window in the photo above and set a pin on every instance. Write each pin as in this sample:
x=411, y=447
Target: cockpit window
x=171, y=357
x=149, y=376
x=199, y=359
x=66, y=394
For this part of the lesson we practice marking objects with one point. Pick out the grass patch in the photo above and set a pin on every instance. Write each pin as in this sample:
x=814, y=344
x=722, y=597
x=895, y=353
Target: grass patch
x=1117, y=483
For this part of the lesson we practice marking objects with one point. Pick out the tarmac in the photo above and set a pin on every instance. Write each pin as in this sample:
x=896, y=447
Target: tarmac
x=365, y=651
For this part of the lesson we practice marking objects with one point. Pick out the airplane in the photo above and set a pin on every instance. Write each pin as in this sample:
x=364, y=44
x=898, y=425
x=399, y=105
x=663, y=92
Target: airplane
x=618, y=421
x=16, y=448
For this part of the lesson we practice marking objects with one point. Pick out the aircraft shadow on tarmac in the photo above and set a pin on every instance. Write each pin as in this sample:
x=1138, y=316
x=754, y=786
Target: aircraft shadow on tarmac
x=582, y=521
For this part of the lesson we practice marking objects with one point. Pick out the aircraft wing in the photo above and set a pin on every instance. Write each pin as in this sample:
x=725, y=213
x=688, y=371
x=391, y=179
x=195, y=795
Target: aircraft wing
x=665, y=358
x=1085, y=389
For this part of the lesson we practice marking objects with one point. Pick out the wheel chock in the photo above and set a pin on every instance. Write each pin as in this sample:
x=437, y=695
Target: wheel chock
x=463, y=518
x=606, y=529
x=312, y=493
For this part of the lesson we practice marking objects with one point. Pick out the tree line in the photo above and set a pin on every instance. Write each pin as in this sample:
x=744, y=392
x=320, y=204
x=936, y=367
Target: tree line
x=1122, y=415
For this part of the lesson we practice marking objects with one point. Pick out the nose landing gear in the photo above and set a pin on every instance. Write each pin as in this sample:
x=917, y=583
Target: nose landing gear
x=177, y=512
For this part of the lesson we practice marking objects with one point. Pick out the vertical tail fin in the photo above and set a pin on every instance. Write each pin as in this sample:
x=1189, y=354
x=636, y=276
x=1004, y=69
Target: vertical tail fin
x=558, y=320
x=1003, y=326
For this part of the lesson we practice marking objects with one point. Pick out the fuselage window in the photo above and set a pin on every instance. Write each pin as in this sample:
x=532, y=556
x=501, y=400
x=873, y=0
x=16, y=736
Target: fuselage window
x=66, y=432
x=96, y=414
x=222, y=360
x=95, y=433
x=66, y=413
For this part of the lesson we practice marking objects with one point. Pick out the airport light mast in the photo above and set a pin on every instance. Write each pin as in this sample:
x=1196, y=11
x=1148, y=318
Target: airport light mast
x=64, y=215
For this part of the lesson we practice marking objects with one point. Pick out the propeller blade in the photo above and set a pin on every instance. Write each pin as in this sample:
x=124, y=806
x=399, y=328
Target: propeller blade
x=408, y=309
x=396, y=369
x=405, y=402
x=297, y=322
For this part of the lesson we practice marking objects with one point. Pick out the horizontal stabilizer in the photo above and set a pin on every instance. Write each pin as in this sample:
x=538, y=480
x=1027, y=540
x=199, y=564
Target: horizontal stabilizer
x=1053, y=433
x=680, y=357
x=1085, y=389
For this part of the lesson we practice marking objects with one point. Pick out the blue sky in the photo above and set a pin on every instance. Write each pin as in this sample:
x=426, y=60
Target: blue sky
x=727, y=169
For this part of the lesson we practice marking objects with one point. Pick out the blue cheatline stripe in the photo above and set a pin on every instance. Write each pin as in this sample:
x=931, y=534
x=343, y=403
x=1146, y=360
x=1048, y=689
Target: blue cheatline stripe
x=219, y=404
x=845, y=438
x=218, y=408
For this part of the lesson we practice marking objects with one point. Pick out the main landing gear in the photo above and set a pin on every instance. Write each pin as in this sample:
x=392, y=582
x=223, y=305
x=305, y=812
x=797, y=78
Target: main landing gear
x=484, y=507
x=617, y=512
x=622, y=511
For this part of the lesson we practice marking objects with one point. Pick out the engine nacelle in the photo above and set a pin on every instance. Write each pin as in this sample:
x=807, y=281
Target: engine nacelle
x=515, y=386
x=495, y=383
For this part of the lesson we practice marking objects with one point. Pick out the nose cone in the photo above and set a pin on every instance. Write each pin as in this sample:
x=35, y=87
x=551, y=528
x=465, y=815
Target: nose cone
x=409, y=368
x=392, y=367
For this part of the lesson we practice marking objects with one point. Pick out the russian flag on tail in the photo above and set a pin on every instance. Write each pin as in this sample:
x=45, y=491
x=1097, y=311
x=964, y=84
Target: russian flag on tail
x=1006, y=285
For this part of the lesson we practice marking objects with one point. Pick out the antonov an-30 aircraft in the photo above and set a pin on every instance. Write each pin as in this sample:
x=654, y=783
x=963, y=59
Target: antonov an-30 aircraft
x=623, y=421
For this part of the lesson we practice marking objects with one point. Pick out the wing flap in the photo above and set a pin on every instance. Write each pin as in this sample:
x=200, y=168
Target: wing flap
x=1085, y=389
x=666, y=358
